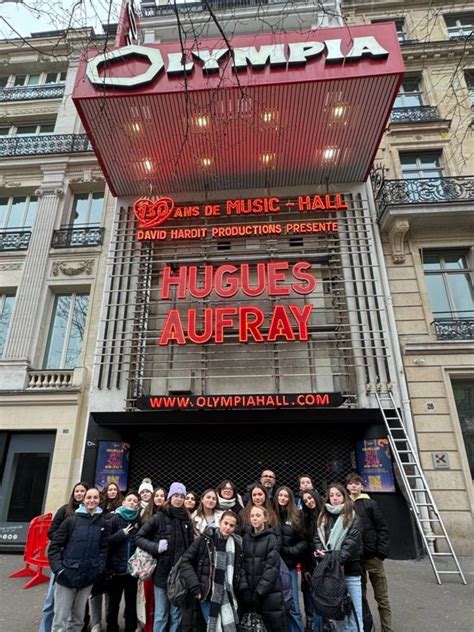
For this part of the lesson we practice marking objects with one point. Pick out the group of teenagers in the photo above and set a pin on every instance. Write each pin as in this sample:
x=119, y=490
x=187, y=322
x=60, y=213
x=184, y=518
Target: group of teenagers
x=230, y=551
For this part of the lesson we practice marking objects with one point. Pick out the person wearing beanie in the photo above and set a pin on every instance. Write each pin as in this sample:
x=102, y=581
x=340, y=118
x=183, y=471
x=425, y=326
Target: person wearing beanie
x=166, y=537
x=145, y=491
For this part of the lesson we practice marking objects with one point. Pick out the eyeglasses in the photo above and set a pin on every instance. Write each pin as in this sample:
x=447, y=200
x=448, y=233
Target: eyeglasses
x=228, y=489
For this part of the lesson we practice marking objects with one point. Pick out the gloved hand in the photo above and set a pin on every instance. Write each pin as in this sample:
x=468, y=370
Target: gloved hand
x=162, y=546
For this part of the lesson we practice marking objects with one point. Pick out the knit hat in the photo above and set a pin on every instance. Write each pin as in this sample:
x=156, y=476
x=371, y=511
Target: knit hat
x=145, y=484
x=176, y=488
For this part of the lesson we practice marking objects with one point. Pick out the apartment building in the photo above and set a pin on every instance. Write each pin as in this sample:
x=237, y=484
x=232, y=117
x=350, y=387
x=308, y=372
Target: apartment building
x=423, y=183
x=53, y=227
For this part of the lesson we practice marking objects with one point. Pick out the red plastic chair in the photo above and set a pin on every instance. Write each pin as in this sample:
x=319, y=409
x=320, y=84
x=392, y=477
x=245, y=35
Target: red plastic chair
x=35, y=551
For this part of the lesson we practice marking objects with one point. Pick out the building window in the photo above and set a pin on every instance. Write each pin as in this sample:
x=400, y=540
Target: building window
x=469, y=76
x=38, y=79
x=460, y=26
x=399, y=25
x=464, y=397
x=410, y=94
x=87, y=209
x=28, y=129
x=18, y=212
x=26, y=80
x=55, y=77
x=449, y=282
x=67, y=331
x=6, y=308
x=421, y=165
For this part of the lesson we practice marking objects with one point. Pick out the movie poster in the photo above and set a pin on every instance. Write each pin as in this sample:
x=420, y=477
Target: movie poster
x=374, y=464
x=112, y=464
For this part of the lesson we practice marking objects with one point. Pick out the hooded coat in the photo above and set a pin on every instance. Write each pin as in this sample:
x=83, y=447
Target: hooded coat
x=198, y=564
x=78, y=551
x=374, y=527
x=351, y=547
x=260, y=584
x=162, y=527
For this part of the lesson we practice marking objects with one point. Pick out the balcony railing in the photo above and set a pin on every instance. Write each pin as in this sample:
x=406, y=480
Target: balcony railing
x=13, y=239
x=415, y=114
x=424, y=191
x=198, y=7
x=30, y=93
x=454, y=328
x=43, y=144
x=50, y=379
x=74, y=236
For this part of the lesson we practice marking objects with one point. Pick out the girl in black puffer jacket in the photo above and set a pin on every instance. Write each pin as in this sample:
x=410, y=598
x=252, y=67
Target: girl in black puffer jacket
x=292, y=548
x=312, y=504
x=122, y=529
x=167, y=536
x=339, y=529
x=212, y=568
x=260, y=585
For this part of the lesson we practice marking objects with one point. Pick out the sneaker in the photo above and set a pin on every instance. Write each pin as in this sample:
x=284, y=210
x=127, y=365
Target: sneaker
x=96, y=628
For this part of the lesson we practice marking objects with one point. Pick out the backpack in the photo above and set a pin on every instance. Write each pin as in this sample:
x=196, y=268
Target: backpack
x=141, y=564
x=177, y=589
x=331, y=599
x=286, y=583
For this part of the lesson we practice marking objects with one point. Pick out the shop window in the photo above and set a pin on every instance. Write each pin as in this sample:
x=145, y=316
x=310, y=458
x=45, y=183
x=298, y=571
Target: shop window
x=464, y=397
x=410, y=94
x=399, y=25
x=448, y=278
x=460, y=26
x=18, y=212
x=87, y=209
x=469, y=76
x=66, y=332
x=7, y=301
x=421, y=165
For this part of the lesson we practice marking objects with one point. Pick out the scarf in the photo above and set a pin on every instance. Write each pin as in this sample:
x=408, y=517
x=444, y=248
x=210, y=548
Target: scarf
x=338, y=531
x=127, y=514
x=230, y=503
x=223, y=615
x=182, y=531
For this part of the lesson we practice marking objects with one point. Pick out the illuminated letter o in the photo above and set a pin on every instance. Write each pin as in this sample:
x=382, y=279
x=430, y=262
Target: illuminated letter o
x=152, y=54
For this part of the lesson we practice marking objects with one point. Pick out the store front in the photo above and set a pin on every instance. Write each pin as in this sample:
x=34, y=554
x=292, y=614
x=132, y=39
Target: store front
x=243, y=323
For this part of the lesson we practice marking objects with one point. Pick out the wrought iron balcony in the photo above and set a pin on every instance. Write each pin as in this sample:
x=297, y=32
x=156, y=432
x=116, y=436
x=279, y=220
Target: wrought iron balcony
x=43, y=144
x=454, y=328
x=30, y=93
x=14, y=239
x=423, y=191
x=198, y=7
x=74, y=236
x=415, y=114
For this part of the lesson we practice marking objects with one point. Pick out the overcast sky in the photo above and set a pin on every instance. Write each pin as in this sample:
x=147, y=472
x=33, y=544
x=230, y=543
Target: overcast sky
x=35, y=16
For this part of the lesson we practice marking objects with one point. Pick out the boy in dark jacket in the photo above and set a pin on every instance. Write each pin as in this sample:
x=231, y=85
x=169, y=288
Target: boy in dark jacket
x=376, y=544
x=122, y=528
x=77, y=555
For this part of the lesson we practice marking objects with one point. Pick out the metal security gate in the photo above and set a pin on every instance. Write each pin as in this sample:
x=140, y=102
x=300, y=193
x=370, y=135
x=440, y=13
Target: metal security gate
x=201, y=456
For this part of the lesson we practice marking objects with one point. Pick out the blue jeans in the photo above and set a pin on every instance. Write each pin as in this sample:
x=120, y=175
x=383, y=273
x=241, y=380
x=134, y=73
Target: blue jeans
x=349, y=624
x=164, y=612
x=295, y=619
x=205, y=609
x=48, y=608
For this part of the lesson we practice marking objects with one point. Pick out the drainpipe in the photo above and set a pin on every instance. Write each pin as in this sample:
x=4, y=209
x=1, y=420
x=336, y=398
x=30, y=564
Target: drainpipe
x=397, y=355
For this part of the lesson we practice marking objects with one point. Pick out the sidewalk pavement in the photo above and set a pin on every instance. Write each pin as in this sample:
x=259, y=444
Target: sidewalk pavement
x=419, y=604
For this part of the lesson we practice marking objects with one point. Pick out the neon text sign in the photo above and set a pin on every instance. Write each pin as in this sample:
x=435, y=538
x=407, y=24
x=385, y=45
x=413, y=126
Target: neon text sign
x=249, y=323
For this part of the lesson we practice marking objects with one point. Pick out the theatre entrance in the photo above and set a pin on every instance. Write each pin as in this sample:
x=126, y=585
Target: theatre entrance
x=200, y=450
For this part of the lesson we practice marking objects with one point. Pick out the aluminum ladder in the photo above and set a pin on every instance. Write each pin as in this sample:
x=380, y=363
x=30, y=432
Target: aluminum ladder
x=420, y=498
